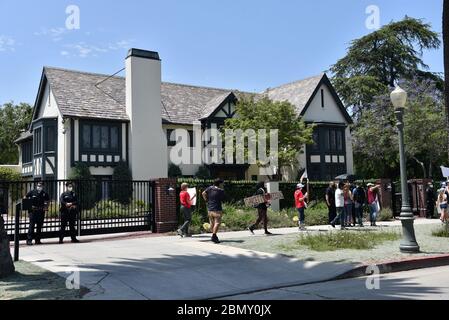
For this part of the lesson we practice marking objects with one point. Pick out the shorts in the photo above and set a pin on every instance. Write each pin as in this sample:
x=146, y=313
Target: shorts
x=443, y=206
x=215, y=217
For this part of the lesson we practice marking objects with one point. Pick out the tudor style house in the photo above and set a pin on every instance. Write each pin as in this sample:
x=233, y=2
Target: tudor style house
x=101, y=120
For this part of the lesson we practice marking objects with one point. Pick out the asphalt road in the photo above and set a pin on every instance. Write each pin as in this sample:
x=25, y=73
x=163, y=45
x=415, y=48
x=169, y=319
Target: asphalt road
x=424, y=284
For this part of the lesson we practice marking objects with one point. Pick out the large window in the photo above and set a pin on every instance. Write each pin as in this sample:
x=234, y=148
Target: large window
x=100, y=137
x=334, y=139
x=37, y=141
x=50, y=134
x=27, y=152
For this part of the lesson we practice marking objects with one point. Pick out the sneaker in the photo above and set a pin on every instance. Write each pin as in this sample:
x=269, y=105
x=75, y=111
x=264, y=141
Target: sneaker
x=251, y=230
x=268, y=233
x=215, y=239
x=333, y=224
x=61, y=241
x=75, y=241
x=180, y=233
x=37, y=242
x=29, y=242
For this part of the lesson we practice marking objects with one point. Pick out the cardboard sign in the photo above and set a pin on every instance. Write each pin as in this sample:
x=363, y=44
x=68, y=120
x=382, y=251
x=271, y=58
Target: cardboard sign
x=259, y=199
x=192, y=193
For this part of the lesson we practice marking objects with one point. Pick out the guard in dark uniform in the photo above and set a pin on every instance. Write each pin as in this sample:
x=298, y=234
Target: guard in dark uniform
x=39, y=205
x=430, y=200
x=69, y=212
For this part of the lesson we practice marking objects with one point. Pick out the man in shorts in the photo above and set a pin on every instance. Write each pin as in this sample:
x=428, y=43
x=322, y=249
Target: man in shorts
x=214, y=196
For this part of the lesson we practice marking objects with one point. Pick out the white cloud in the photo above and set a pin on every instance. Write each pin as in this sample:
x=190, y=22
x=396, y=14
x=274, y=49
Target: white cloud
x=85, y=50
x=56, y=34
x=7, y=43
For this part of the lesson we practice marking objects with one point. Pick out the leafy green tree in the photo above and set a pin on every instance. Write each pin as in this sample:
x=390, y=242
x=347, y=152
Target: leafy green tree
x=376, y=61
x=13, y=119
x=293, y=132
x=446, y=62
x=375, y=139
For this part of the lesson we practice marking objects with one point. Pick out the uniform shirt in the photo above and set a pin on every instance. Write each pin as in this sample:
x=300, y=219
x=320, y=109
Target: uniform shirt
x=184, y=197
x=68, y=197
x=215, y=197
x=38, y=199
x=339, y=198
x=299, y=195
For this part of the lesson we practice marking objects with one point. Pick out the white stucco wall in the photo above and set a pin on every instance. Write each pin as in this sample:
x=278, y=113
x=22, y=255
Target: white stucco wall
x=330, y=113
x=48, y=107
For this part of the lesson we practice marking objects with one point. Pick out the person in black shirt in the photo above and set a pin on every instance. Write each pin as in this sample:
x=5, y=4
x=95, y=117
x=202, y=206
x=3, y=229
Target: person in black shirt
x=69, y=212
x=261, y=209
x=430, y=201
x=214, y=196
x=39, y=205
x=330, y=201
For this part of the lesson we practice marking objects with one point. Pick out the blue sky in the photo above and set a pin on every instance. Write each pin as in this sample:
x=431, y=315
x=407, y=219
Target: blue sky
x=248, y=44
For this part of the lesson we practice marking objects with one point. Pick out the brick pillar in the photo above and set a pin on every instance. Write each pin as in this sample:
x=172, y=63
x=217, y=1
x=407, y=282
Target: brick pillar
x=385, y=193
x=165, y=216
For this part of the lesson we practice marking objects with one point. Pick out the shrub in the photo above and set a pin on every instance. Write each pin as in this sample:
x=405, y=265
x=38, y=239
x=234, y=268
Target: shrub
x=203, y=173
x=7, y=174
x=174, y=171
x=121, y=187
x=385, y=215
x=87, y=191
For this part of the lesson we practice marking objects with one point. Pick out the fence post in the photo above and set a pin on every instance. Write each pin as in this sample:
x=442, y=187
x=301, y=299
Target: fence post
x=17, y=232
x=165, y=216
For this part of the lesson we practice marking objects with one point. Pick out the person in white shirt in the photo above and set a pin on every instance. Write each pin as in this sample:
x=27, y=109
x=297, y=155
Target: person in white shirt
x=340, y=205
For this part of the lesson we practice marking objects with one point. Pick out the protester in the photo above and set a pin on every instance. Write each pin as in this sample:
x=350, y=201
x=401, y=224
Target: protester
x=359, y=201
x=373, y=202
x=347, y=193
x=300, y=203
x=214, y=196
x=340, y=206
x=442, y=206
x=330, y=201
x=186, y=210
x=261, y=209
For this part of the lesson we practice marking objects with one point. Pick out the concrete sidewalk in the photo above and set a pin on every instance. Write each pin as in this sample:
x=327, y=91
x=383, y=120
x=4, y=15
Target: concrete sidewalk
x=174, y=268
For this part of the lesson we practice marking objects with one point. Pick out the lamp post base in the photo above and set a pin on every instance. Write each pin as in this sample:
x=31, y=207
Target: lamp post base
x=408, y=244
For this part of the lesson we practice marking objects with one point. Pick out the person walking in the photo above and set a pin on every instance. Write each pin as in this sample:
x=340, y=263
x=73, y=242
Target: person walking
x=373, y=202
x=347, y=193
x=442, y=205
x=340, y=206
x=300, y=203
x=39, y=205
x=262, y=209
x=359, y=202
x=330, y=201
x=186, y=210
x=214, y=196
x=69, y=213
x=430, y=200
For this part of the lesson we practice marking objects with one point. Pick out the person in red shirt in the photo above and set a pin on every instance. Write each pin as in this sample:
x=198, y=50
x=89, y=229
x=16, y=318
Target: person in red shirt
x=186, y=210
x=300, y=203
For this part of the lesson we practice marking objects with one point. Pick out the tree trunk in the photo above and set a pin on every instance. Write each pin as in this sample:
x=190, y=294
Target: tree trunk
x=6, y=263
x=446, y=63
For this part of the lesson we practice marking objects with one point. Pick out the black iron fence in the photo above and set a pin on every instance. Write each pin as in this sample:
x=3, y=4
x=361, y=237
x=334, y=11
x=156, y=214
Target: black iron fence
x=105, y=206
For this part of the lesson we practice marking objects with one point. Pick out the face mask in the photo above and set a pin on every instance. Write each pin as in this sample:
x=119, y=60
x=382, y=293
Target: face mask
x=39, y=189
x=70, y=189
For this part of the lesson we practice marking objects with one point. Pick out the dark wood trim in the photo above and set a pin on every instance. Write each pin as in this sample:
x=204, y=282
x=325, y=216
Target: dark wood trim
x=72, y=143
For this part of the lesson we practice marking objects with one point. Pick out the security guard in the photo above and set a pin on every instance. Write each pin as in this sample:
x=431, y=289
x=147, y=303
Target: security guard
x=430, y=199
x=69, y=211
x=39, y=205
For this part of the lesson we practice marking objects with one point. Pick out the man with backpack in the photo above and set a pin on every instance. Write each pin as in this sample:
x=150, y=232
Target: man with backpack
x=359, y=202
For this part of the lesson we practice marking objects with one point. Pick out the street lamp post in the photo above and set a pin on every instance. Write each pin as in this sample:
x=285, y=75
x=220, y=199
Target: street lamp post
x=408, y=243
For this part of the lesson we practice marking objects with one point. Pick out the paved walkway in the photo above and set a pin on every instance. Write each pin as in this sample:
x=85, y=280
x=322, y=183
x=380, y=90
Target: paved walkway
x=173, y=268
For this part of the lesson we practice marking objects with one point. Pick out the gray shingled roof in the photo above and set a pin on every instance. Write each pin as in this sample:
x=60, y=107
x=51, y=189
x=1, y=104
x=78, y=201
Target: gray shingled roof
x=78, y=94
x=24, y=136
x=297, y=93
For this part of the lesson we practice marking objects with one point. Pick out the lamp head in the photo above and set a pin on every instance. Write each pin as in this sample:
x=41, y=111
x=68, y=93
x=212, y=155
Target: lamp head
x=399, y=98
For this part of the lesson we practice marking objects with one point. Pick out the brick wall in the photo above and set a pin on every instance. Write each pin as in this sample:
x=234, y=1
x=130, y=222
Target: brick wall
x=166, y=219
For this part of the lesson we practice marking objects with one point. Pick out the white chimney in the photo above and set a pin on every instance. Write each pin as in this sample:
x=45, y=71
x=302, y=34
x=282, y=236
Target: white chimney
x=147, y=141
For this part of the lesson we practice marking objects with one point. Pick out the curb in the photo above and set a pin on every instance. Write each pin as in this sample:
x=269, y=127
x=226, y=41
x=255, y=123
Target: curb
x=397, y=266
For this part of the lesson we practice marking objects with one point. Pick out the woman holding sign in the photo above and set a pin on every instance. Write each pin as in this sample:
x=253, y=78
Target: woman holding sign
x=261, y=209
x=186, y=210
